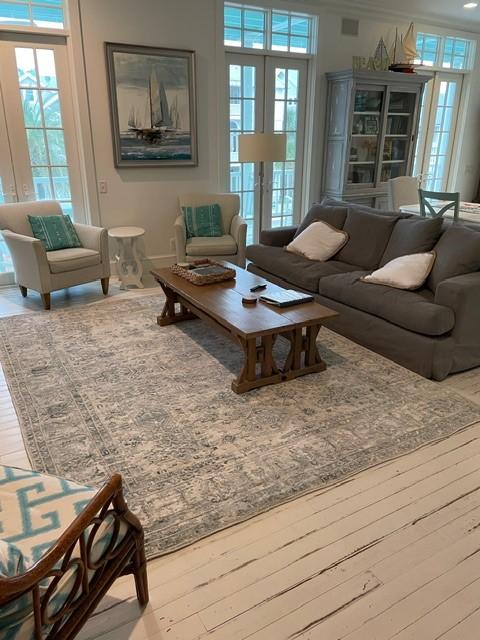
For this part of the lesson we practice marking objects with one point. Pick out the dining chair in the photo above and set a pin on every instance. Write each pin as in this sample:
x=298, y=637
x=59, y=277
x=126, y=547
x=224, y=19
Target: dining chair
x=402, y=191
x=451, y=198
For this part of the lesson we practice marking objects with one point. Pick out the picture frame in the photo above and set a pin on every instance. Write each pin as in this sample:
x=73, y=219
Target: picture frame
x=152, y=105
x=371, y=126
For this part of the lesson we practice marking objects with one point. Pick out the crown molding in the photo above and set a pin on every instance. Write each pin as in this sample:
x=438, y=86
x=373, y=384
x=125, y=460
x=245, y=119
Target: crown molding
x=352, y=8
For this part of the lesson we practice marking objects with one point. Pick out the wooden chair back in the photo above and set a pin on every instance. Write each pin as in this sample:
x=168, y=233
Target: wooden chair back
x=428, y=209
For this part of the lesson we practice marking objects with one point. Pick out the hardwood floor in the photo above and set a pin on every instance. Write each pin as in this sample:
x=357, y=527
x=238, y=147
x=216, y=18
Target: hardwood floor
x=393, y=552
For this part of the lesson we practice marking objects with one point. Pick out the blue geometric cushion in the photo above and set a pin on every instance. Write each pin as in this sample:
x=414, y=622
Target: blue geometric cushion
x=55, y=232
x=204, y=221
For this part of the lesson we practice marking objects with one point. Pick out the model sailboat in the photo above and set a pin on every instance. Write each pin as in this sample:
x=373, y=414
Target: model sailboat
x=404, y=51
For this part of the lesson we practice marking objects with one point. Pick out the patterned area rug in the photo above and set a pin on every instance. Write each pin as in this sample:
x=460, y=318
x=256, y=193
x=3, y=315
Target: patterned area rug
x=103, y=389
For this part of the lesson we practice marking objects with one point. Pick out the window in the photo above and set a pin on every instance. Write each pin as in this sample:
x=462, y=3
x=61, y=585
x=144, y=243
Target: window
x=428, y=47
x=446, y=52
x=47, y=14
x=256, y=28
x=456, y=53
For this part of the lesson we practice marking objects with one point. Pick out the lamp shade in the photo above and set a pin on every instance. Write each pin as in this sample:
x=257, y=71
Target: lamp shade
x=262, y=147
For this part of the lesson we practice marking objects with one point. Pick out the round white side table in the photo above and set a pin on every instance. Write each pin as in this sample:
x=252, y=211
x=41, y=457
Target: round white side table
x=129, y=265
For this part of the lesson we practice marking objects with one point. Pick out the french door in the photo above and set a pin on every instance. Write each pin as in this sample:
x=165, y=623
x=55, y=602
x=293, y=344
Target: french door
x=38, y=150
x=267, y=93
x=438, y=123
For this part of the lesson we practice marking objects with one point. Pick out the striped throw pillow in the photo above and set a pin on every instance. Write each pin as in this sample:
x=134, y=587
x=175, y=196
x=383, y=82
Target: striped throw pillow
x=204, y=221
x=55, y=232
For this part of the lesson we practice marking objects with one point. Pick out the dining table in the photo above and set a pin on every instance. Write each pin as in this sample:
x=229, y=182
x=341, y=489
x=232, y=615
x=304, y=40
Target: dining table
x=469, y=211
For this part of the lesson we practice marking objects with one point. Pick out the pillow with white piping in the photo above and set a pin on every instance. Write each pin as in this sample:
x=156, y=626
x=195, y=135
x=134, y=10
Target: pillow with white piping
x=319, y=241
x=405, y=272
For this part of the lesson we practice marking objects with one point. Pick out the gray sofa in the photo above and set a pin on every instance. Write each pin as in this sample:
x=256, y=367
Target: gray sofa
x=433, y=331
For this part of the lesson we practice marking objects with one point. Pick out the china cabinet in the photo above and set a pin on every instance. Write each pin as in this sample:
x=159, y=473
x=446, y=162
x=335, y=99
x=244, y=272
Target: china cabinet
x=371, y=131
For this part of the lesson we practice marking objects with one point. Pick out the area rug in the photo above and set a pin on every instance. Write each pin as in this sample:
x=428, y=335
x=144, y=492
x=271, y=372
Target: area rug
x=102, y=389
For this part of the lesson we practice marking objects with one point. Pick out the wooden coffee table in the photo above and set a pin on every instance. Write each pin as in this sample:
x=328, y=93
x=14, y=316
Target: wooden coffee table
x=254, y=328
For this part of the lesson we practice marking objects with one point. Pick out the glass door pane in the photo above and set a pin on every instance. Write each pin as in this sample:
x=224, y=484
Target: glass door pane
x=245, y=82
x=8, y=192
x=366, y=126
x=42, y=116
x=286, y=104
x=442, y=129
x=39, y=117
x=400, y=118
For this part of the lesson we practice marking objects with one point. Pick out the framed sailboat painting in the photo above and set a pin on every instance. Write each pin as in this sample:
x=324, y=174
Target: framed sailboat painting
x=153, y=110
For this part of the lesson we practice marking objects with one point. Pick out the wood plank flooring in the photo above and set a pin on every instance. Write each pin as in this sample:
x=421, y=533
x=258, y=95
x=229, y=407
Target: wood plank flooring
x=393, y=552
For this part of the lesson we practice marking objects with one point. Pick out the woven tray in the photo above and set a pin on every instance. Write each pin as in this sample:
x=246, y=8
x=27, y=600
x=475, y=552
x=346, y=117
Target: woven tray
x=196, y=278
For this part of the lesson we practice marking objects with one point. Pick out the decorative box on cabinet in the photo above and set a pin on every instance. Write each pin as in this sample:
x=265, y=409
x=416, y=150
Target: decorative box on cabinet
x=371, y=132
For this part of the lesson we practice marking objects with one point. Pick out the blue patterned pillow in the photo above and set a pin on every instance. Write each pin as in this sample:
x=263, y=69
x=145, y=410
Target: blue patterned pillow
x=204, y=221
x=55, y=232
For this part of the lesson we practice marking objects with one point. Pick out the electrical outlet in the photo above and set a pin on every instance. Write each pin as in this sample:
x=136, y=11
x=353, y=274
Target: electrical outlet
x=469, y=169
x=102, y=186
x=172, y=244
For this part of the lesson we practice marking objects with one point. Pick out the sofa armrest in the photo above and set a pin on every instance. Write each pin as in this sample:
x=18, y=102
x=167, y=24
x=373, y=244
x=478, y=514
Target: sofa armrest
x=180, y=238
x=462, y=295
x=238, y=230
x=29, y=261
x=277, y=237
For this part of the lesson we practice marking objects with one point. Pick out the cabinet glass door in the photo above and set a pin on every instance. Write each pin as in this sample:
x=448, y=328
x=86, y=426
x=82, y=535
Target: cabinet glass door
x=365, y=139
x=400, y=118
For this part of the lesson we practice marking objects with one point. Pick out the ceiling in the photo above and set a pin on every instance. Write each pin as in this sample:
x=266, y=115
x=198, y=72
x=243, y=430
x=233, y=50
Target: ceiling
x=439, y=12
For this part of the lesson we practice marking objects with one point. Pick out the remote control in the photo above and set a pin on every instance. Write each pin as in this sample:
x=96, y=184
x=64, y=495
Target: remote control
x=259, y=287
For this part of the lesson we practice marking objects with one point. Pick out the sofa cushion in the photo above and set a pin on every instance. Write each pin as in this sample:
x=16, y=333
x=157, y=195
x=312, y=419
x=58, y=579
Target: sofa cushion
x=220, y=246
x=333, y=202
x=405, y=272
x=334, y=216
x=320, y=241
x=414, y=235
x=458, y=252
x=412, y=310
x=368, y=237
x=295, y=269
x=71, y=259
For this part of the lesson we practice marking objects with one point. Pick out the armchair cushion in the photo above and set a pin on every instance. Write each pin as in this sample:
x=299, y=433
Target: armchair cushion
x=55, y=232
x=72, y=259
x=36, y=509
x=203, y=221
x=219, y=246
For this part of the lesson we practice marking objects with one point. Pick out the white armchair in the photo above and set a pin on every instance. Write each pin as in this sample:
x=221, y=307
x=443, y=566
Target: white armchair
x=230, y=246
x=46, y=271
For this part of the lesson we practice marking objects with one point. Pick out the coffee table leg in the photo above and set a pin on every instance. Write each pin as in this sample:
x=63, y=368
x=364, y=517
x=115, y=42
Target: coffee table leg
x=249, y=378
x=169, y=314
x=305, y=345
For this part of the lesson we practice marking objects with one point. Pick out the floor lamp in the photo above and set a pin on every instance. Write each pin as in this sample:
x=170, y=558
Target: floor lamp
x=261, y=148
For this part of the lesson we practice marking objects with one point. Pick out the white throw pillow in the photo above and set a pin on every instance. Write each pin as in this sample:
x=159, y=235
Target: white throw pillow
x=319, y=241
x=406, y=272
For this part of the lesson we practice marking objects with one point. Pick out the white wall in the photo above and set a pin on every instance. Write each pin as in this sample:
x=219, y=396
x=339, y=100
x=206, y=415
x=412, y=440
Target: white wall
x=148, y=196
